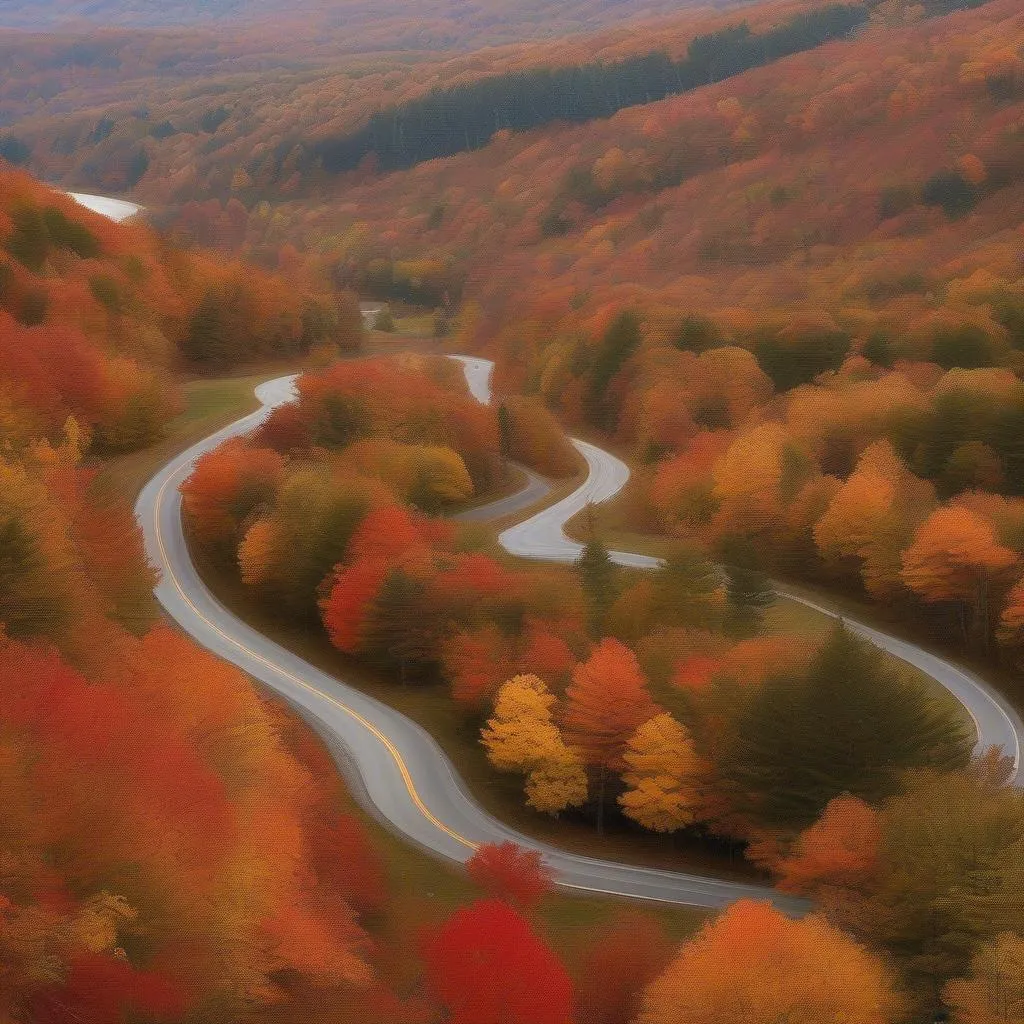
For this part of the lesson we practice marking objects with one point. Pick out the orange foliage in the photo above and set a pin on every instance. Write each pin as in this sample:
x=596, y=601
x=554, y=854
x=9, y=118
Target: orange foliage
x=696, y=672
x=605, y=702
x=754, y=963
x=840, y=849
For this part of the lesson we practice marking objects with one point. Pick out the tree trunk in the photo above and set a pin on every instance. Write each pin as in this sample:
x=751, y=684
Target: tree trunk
x=602, y=781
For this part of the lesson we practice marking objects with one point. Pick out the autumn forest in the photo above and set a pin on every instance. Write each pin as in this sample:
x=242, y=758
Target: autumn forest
x=519, y=519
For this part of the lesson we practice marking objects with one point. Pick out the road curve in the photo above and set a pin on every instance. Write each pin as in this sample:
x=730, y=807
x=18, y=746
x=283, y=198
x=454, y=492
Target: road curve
x=116, y=210
x=395, y=767
x=543, y=537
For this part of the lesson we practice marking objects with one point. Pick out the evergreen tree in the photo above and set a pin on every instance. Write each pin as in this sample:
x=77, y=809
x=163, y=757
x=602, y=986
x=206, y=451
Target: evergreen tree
x=685, y=586
x=749, y=593
x=850, y=724
x=598, y=576
x=620, y=341
x=399, y=633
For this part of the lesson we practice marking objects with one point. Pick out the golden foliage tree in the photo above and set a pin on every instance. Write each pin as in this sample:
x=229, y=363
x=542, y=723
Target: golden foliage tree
x=755, y=964
x=662, y=775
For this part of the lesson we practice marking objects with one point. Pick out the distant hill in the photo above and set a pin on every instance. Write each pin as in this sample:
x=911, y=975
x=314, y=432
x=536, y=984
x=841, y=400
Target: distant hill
x=424, y=24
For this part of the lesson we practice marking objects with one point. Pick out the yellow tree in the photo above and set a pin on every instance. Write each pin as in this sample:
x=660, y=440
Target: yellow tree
x=521, y=737
x=994, y=993
x=872, y=515
x=755, y=964
x=663, y=775
x=747, y=480
x=558, y=781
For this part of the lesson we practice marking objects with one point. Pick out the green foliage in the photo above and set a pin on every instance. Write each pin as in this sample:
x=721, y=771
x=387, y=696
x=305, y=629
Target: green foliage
x=697, y=334
x=967, y=346
x=315, y=517
x=37, y=231
x=29, y=242
x=504, y=431
x=213, y=119
x=599, y=578
x=106, y=292
x=399, y=633
x=449, y=121
x=69, y=234
x=13, y=150
x=950, y=872
x=28, y=604
x=879, y=349
x=748, y=590
x=685, y=588
x=894, y=200
x=952, y=191
x=851, y=724
x=798, y=358
x=1008, y=308
x=620, y=341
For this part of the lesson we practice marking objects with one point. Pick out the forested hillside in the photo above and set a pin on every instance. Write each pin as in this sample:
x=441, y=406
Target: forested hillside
x=430, y=24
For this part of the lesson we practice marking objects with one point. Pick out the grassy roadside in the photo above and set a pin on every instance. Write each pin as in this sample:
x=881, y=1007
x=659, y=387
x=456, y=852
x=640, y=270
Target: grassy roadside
x=210, y=403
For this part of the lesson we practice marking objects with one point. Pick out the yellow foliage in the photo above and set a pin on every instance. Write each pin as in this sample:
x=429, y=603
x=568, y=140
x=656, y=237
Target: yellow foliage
x=521, y=737
x=994, y=994
x=662, y=772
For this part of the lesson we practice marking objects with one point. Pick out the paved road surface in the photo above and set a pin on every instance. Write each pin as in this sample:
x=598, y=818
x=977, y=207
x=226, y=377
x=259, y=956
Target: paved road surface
x=115, y=209
x=543, y=537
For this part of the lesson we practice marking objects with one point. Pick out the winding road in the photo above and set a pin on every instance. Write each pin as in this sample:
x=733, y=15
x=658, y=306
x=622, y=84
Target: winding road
x=395, y=768
x=116, y=210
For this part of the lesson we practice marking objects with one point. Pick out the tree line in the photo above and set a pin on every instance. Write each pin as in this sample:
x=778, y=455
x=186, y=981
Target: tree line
x=450, y=121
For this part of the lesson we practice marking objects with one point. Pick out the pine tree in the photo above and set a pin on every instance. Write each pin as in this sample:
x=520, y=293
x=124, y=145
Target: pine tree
x=504, y=431
x=399, y=634
x=685, y=587
x=749, y=593
x=850, y=724
x=620, y=341
x=598, y=577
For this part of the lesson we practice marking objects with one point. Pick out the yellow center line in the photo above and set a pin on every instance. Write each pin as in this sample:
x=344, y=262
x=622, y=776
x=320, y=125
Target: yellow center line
x=340, y=705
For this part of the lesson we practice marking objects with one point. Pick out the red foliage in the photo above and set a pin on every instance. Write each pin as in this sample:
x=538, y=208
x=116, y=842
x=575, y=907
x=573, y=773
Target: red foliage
x=226, y=485
x=510, y=873
x=624, y=958
x=546, y=654
x=386, y=533
x=346, y=858
x=486, y=966
x=347, y=604
x=105, y=990
x=696, y=672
